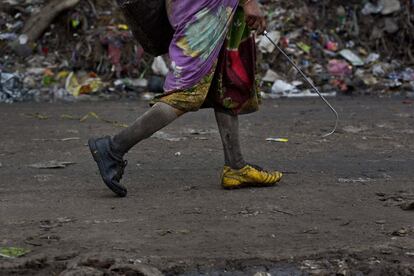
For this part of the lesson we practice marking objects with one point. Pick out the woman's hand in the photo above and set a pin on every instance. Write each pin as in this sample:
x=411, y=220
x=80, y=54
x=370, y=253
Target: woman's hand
x=254, y=16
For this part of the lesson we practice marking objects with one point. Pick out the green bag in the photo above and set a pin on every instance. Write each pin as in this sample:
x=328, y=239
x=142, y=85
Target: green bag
x=149, y=23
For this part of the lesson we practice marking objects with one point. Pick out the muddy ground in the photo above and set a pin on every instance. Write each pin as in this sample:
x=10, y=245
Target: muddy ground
x=337, y=209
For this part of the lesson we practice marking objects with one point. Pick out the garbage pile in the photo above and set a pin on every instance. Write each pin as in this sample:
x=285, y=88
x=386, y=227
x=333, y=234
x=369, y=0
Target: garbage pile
x=77, y=49
x=345, y=47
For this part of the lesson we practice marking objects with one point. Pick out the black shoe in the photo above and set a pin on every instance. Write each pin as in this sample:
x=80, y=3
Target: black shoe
x=110, y=166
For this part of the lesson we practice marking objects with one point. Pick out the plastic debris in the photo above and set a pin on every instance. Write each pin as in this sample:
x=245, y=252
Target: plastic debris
x=339, y=68
x=271, y=76
x=86, y=85
x=280, y=87
x=352, y=57
x=52, y=165
x=11, y=88
x=13, y=252
x=87, y=41
x=159, y=67
x=280, y=140
x=265, y=46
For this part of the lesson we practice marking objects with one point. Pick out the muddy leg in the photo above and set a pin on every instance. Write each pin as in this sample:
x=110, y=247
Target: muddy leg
x=229, y=131
x=159, y=116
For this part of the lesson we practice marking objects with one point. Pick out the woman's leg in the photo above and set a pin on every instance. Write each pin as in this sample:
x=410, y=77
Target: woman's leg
x=228, y=125
x=156, y=118
x=237, y=173
x=108, y=153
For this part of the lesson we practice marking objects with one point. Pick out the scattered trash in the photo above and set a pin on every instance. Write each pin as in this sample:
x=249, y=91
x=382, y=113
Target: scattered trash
x=271, y=76
x=339, y=68
x=13, y=252
x=11, y=88
x=36, y=116
x=265, y=46
x=351, y=57
x=168, y=137
x=159, y=67
x=281, y=87
x=52, y=165
x=355, y=180
x=281, y=140
x=89, y=83
x=60, y=55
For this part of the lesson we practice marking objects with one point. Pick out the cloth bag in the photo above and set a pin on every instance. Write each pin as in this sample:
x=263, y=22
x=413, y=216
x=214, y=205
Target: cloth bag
x=149, y=23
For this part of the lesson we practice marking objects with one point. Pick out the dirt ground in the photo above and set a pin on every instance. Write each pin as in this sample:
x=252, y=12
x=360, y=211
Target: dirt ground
x=337, y=210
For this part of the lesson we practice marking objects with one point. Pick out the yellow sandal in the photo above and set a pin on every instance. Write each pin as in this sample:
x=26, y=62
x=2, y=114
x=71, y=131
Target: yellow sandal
x=248, y=176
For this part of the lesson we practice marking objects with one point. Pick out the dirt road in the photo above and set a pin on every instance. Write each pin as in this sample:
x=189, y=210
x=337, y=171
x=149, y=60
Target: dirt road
x=337, y=209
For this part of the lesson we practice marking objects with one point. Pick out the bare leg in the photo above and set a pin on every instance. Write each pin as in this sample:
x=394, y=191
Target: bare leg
x=229, y=131
x=159, y=116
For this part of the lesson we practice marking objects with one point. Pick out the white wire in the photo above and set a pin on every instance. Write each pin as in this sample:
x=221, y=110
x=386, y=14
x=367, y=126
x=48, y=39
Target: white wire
x=309, y=82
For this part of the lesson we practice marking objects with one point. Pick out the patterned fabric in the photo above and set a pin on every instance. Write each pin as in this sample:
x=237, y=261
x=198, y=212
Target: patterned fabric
x=213, y=57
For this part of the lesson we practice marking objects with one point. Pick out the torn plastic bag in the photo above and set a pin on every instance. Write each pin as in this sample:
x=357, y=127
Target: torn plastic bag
x=149, y=23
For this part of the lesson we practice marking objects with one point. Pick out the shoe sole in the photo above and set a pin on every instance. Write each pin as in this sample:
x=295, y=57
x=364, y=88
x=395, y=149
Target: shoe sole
x=120, y=191
x=251, y=185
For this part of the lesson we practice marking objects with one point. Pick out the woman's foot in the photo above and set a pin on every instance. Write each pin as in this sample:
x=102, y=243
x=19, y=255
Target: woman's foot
x=248, y=176
x=111, y=166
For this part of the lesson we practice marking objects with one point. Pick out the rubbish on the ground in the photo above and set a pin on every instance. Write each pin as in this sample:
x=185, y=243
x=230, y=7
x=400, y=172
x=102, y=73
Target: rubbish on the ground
x=351, y=57
x=8, y=36
x=11, y=88
x=271, y=76
x=339, y=68
x=304, y=47
x=178, y=153
x=147, y=96
x=353, y=129
x=38, y=116
x=389, y=6
x=407, y=74
x=409, y=205
x=87, y=84
x=159, y=67
x=54, y=164
x=373, y=57
x=265, y=46
x=355, y=180
x=332, y=46
x=135, y=83
x=61, y=140
x=371, y=8
x=281, y=87
x=168, y=137
x=13, y=252
x=281, y=140
x=90, y=42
